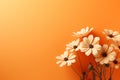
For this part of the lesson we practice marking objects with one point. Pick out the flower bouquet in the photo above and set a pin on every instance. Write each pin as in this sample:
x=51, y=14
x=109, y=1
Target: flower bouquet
x=105, y=55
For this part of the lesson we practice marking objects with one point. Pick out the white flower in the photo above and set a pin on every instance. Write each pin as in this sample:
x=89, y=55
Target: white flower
x=116, y=63
x=73, y=46
x=116, y=45
x=114, y=35
x=66, y=59
x=90, y=45
x=83, y=32
x=106, y=55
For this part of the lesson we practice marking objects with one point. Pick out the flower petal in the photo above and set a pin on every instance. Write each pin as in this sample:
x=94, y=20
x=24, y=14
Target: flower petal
x=94, y=51
x=71, y=56
x=73, y=61
x=96, y=40
x=69, y=63
x=63, y=63
x=77, y=42
x=110, y=49
x=59, y=57
x=97, y=46
x=58, y=62
x=112, y=56
x=115, y=33
x=65, y=54
x=88, y=52
x=87, y=28
x=86, y=41
x=90, y=37
x=105, y=47
x=98, y=59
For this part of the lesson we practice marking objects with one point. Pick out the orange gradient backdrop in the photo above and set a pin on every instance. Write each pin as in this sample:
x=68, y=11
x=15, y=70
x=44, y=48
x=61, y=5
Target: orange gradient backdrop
x=34, y=32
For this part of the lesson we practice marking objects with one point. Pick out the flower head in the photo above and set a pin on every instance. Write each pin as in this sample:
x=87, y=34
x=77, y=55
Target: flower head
x=116, y=45
x=116, y=63
x=66, y=59
x=106, y=55
x=73, y=46
x=114, y=35
x=90, y=45
x=83, y=32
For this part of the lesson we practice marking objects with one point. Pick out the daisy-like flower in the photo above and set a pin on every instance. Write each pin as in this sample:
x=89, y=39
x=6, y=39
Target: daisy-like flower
x=66, y=59
x=90, y=45
x=83, y=32
x=116, y=45
x=114, y=35
x=106, y=55
x=73, y=46
x=116, y=63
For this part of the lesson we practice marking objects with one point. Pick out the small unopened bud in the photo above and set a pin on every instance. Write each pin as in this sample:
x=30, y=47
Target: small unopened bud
x=106, y=65
x=90, y=67
x=83, y=73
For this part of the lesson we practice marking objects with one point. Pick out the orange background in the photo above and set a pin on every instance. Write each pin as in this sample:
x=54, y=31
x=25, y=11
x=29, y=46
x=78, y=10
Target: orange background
x=34, y=32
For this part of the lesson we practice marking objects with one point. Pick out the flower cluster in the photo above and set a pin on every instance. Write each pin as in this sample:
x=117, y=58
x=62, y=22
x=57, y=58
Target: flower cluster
x=104, y=54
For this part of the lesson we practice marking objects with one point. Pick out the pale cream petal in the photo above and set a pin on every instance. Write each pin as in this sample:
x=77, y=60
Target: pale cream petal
x=71, y=50
x=94, y=51
x=65, y=54
x=97, y=46
x=62, y=56
x=69, y=63
x=108, y=38
x=91, y=29
x=106, y=31
x=67, y=48
x=110, y=32
x=116, y=38
x=105, y=47
x=110, y=49
x=59, y=57
x=104, y=61
x=77, y=42
x=88, y=52
x=112, y=56
x=73, y=61
x=86, y=40
x=115, y=33
x=77, y=49
x=63, y=63
x=84, y=49
x=90, y=37
x=84, y=45
x=58, y=62
x=72, y=56
x=98, y=59
x=82, y=31
x=87, y=29
x=96, y=40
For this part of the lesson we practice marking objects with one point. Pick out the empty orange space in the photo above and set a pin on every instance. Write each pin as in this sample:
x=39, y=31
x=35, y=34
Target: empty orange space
x=34, y=32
